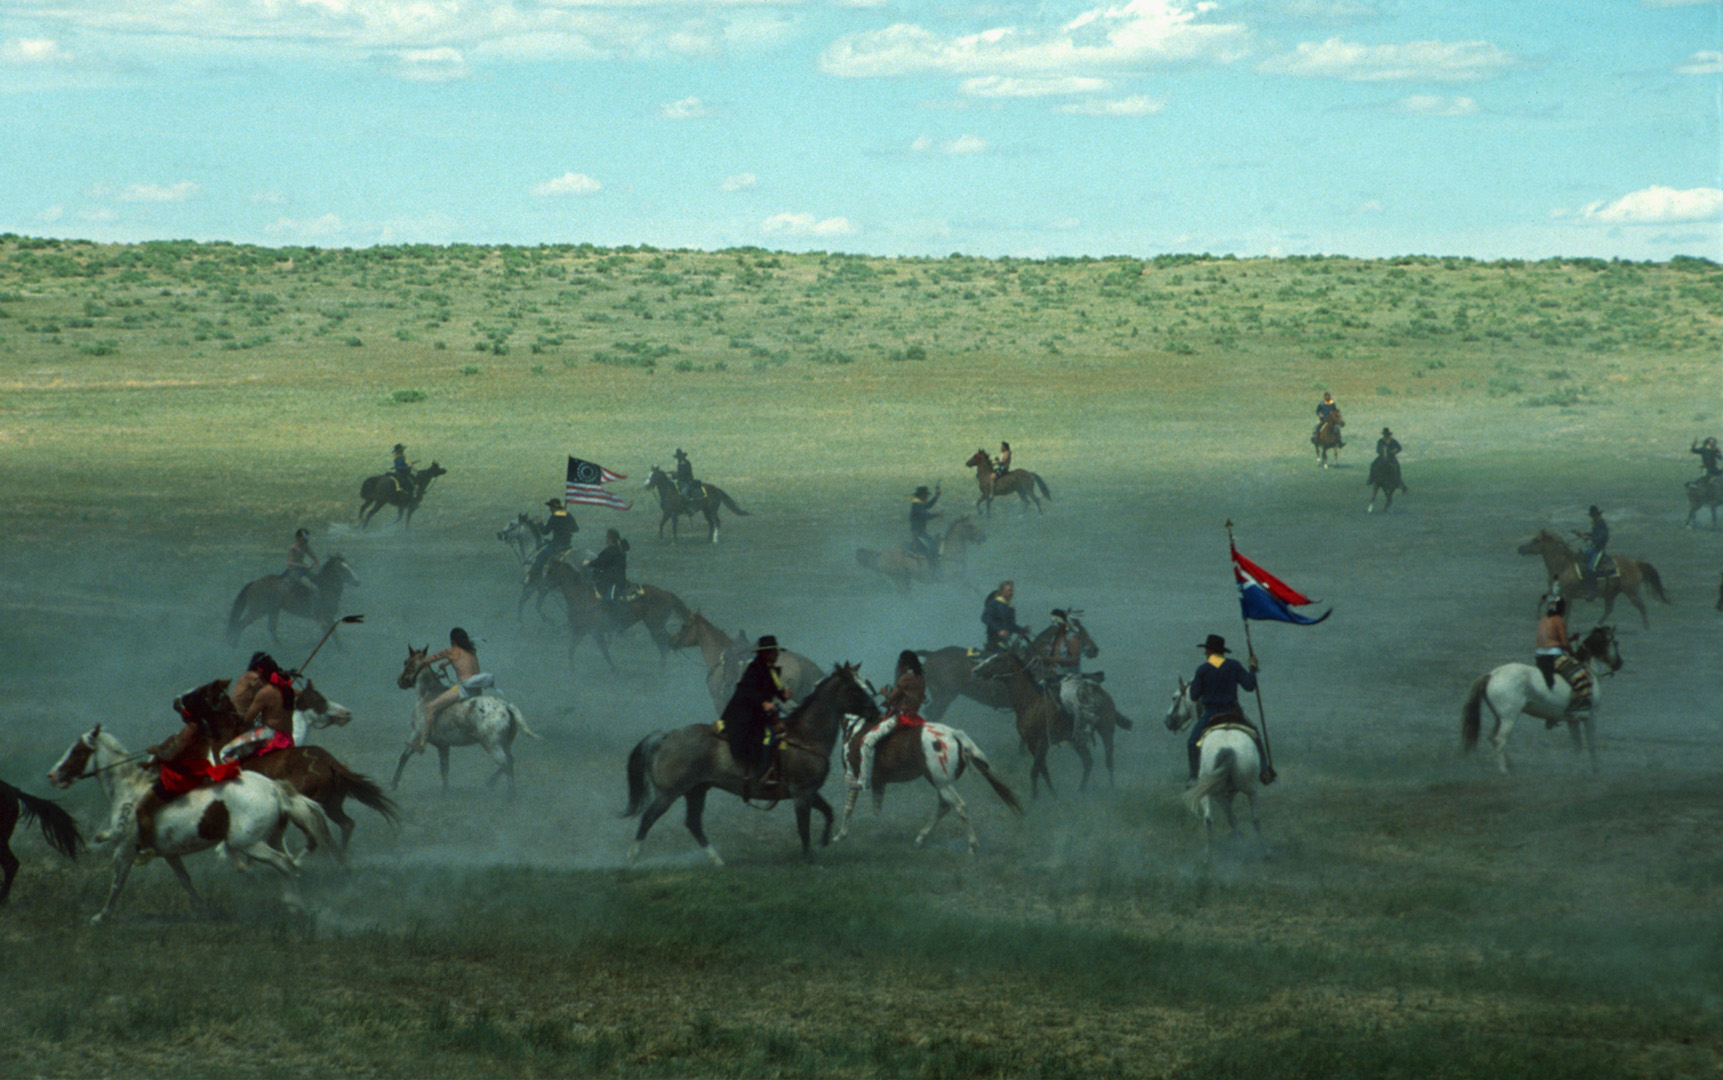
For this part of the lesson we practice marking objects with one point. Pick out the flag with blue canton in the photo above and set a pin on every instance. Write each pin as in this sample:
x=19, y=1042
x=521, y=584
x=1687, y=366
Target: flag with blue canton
x=586, y=482
x=1261, y=595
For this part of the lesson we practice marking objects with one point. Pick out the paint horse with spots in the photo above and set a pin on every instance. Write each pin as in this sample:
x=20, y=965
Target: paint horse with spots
x=937, y=753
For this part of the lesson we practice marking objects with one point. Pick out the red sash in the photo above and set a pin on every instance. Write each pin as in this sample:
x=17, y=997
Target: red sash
x=179, y=777
x=908, y=719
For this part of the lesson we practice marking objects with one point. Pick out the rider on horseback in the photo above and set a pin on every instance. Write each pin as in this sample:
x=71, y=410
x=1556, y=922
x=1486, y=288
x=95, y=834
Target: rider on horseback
x=1215, y=687
x=921, y=511
x=1552, y=642
x=401, y=470
x=609, y=570
x=752, y=712
x=1596, y=539
x=1064, y=662
x=1387, y=446
x=470, y=682
x=1327, y=410
x=559, y=529
x=999, y=617
x=1709, y=457
x=1003, y=464
x=684, y=474
x=902, y=709
x=264, y=697
x=301, y=564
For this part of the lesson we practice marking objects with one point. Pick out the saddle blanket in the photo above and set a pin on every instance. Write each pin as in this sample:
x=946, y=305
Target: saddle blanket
x=1578, y=678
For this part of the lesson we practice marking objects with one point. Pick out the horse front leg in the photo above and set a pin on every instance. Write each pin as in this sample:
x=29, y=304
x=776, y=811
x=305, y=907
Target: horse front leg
x=804, y=826
x=443, y=766
x=694, y=819
x=1088, y=760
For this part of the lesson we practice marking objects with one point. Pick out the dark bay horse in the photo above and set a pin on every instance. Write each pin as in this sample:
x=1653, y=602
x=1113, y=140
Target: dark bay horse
x=1327, y=438
x=951, y=673
x=726, y=657
x=689, y=762
x=706, y=499
x=310, y=770
x=1703, y=492
x=1042, y=724
x=273, y=596
x=1020, y=482
x=385, y=489
x=587, y=616
x=1561, y=566
x=58, y=829
x=902, y=566
x=1384, y=480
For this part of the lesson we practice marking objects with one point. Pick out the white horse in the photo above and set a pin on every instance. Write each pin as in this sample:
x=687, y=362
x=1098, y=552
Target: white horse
x=939, y=756
x=1519, y=688
x=488, y=722
x=244, y=816
x=313, y=711
x=1229, y=766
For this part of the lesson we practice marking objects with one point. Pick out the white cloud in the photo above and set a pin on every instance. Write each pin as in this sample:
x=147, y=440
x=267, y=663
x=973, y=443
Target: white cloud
x=179, y=192
x=1132, y=34
x=1658, y=205
x=1131, y=106
x=441, y=64
x=51, y=213
x=963, y=144
x=269, y=198
x=1421, y=61
x=1432, y=105
x=32, y=51
x=739, y=182
x=569, y=183
x=310, y=228
x=1704, y=62
x=1002, y=86
x=689, y=108
x=807, y=225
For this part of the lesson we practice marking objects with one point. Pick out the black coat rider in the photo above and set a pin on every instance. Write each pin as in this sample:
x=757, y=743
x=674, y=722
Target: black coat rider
x=753, y=708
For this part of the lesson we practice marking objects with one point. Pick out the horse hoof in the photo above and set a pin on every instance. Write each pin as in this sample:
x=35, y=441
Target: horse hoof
x=713, y=856
x=633, y=854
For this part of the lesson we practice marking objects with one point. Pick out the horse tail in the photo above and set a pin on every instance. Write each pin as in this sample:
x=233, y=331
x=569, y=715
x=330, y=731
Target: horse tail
x=306, y=814
x=639, y=784
x=1000, y=787
x=868, y=559
x=58, y=828
x=1653, y=579
x=1471, y=714
x=367, y=792
x=1042, y=484
x=724, y=496
x=1216, y=778
x=520, y=724
x=235, y=613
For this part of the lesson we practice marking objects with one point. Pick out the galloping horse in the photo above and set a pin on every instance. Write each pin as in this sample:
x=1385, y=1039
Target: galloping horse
x=586, y=612
x=271, y=597
x=933, y=752
x=951, y=672
x=903, y=565
x=311, y=770
x=1229, y=766
x=1704, y=492
x=1042, y=724
x=1512, y=689
x=1384, y=480
x=706, y=499
x=523, y=536
x=691, y=761
x=490, y=722
x=1327, y=438
x=1022, y=482
x=726, y=657
x=242, y=816
x=1561, y=566
x=385, y=489
x=58, y=829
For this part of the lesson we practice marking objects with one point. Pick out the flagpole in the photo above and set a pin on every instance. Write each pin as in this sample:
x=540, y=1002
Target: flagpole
x=1268, y=774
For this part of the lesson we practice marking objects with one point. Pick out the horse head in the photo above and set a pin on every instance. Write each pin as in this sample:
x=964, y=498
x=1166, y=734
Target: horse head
x=1183, y=709
x=688, y=634
x=654, y=477
x=410, y=670
x=74, y=764
x=1544, y=541
x=978, y=460
x=319, y=710
x=1090, y=649
x=336, y=568
x=1600, y=644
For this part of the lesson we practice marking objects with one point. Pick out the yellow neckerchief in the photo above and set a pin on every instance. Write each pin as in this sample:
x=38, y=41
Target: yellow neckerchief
x=1001, y=598
x=1216, y=659
x=559, y=513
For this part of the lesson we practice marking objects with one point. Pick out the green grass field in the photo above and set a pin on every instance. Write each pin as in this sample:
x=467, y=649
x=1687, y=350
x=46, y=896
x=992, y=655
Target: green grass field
x=170, y=412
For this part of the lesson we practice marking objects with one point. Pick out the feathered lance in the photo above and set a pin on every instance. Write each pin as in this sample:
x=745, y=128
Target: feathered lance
x=345, y=619
x=1268, y=773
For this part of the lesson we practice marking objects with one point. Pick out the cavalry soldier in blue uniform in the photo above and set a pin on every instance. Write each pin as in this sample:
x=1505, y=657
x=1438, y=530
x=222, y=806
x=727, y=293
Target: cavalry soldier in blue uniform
x=751, y=713
x=921, y=511
x=1215, y=687
x=1325, y=409
x=1596, y=539
x=1709, y=456
x=401, y=470
x=609, y=571
x=559, y=530
x=999, y=617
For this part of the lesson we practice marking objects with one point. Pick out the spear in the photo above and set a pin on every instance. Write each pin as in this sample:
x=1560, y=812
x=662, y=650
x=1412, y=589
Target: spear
x=1268, y=773
x=327, y=634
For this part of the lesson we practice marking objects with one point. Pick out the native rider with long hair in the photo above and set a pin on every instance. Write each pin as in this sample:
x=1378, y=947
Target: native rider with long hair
x=1552, y=642
x=902, y=708
x=301, y=564
x=470, y=682
x=263, y=696
x=748, y=719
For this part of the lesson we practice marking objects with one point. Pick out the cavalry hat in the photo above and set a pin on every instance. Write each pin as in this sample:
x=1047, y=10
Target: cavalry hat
x=301, y=534
x=767, y=643
x=679, y=454
x=554, y=504
x=1215, y=644
x=612, y=534
x=398, y=449
x=1594, y=511
x=1385, y=431
x=921, y=492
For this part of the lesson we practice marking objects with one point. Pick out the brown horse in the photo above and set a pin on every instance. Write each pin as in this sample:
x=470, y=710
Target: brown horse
x=951, y=673
x=386, y=489
x=902, y=565
x=273, y=596
x=1384, y=480
x=689, y=762
x=726, y=657
x=58, y=829
x=706, y=499
x=1327, y=438
x=1561, y=566
x=310, y=770
x=1042, y=724
x=587, y=615
x=1020, y=482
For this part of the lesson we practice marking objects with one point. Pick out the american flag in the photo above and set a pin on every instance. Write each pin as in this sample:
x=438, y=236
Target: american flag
x=586, y=482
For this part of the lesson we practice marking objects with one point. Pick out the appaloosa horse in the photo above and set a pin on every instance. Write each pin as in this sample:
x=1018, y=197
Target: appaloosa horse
x=937, y=753
x=705, y=498
x=901, y=565
x=386, y=489
x=1561, y=566
x=58, y=829
x=489, y=722
x=689, y=762
x=274, y=596
x=1020, y=482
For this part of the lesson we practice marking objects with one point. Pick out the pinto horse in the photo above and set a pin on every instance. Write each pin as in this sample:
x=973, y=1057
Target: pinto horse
x=245, y=816
x=273, y=596
x=58, y=829
x=903, y=565
x=1561, y=566
x=726, y=657
x=1020, y=482
x=386, y=489
x=689, y=762
x=936, y=753
x=1512, y=689
x=706, y=499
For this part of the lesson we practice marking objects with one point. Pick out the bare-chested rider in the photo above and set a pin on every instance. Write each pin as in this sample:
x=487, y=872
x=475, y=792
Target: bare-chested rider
x=470, y=682
x=263, y=695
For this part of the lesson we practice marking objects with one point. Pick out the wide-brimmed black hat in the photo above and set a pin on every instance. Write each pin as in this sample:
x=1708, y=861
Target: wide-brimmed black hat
x=554, y=504
x=767, y=643
x=679, y=454
x=1215, y=644
x=1594, y=511
x=1385, y=431
x=922, y=492
x=398, y=449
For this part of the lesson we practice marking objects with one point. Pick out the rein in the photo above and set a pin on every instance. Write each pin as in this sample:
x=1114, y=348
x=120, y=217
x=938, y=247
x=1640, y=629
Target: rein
x=129, y=759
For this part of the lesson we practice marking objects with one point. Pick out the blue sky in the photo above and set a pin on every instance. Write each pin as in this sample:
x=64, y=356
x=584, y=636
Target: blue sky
x=1255, y=127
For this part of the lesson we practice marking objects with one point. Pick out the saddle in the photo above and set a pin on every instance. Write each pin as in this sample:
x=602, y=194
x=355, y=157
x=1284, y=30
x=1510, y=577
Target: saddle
x=1225, y=723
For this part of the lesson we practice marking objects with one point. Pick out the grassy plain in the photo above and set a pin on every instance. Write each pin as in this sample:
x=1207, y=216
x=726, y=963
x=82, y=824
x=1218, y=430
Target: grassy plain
x=170, y=412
